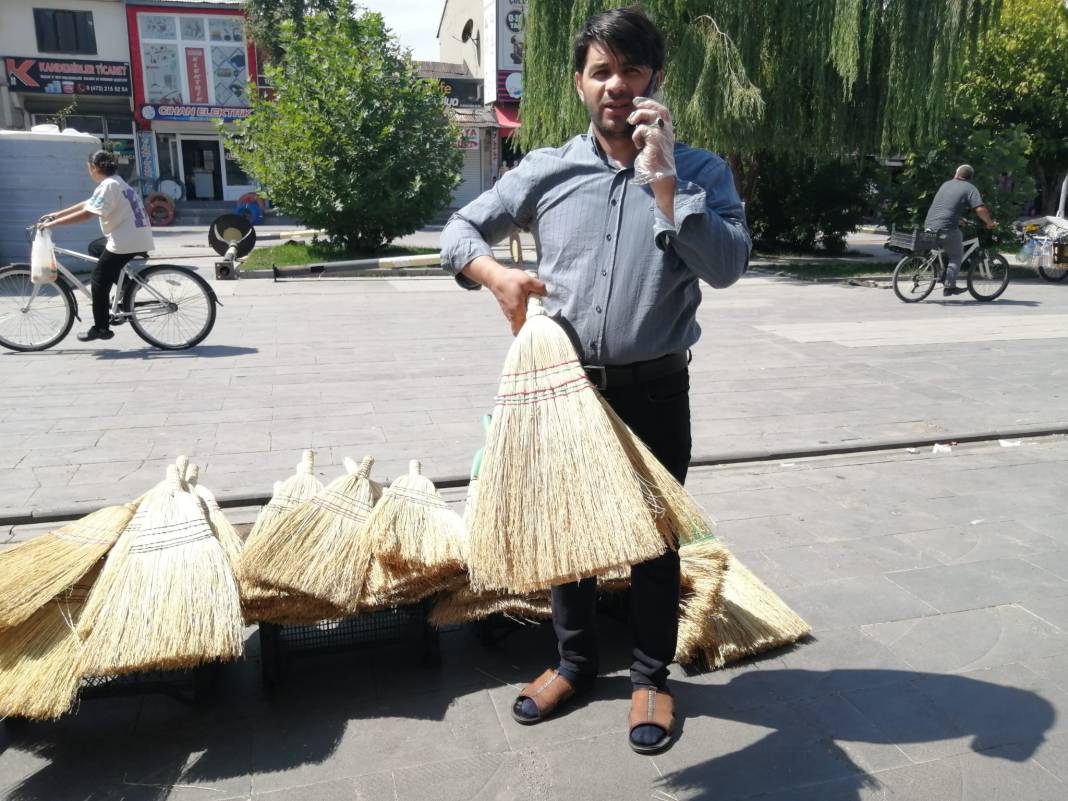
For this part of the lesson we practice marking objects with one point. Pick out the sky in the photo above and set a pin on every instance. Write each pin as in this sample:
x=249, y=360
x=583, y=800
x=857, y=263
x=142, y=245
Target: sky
x=415, y=22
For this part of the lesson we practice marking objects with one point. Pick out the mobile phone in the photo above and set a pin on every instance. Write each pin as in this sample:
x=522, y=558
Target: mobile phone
x=653, y=89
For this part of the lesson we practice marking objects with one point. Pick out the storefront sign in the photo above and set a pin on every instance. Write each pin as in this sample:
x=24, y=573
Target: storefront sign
x=197, y=74
x=67, y=76
x=509, y=87
x=469, y=139
x=146, y=154
x=511, y=35
x=462, y=91
x=191, y=113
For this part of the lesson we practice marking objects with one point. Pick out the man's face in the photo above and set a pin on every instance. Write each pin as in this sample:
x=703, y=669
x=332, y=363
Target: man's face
x=608, y=87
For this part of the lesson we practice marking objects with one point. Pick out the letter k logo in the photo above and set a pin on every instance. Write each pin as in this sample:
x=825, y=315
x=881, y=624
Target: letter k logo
x=20, y=73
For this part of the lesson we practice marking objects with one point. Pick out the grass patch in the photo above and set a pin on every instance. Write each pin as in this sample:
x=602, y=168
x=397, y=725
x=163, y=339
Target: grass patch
x=296, y=253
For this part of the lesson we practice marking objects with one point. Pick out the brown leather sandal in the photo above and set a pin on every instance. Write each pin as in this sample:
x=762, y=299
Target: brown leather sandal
x=651, y=707
x=547, y=692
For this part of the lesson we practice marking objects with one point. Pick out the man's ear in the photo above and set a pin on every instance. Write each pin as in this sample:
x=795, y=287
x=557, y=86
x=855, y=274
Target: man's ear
x=578, y=86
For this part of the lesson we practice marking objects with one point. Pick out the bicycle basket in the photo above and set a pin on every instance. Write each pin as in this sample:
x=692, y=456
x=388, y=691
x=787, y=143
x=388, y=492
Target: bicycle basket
x=915, y=241
x=1060, y=254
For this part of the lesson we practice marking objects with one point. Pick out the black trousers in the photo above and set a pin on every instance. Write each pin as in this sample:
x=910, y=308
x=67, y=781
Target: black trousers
x=105, y=274
x=659, y=413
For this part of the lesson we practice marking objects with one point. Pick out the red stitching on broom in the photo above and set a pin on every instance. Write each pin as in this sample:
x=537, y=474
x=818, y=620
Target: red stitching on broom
x=543, y=390
x=541, y=369
x=543, y=398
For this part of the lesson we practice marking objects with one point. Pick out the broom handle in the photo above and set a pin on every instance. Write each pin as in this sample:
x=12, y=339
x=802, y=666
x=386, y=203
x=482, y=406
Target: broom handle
x=534, y=302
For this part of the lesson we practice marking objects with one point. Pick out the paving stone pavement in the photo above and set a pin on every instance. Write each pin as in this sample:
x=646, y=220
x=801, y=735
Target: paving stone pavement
x=937, y=587
x=404, y=368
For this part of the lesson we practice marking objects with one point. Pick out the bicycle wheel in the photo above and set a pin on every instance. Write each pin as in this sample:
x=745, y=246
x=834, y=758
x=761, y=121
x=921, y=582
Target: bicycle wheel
x=170, y=307
x=33, y=316
x=988, y=275
x=1056, y=273
x=914, y=278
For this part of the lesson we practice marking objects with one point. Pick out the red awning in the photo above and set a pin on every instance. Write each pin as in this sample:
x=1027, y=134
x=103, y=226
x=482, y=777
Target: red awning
x=508, y=118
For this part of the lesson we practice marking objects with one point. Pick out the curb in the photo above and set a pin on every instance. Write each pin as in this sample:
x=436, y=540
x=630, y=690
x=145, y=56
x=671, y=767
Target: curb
x=238, y=500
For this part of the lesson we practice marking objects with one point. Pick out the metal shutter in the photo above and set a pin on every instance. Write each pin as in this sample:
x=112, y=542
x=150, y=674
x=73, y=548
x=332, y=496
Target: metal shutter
x=470, y=186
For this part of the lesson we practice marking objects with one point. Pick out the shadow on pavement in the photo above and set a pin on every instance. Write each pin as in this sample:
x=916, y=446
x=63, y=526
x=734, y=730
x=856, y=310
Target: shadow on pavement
x=200, y=352
x=893, y=707
x=355, y=713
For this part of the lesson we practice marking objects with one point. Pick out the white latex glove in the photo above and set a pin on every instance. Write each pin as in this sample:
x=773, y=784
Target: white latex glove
x=655, y=139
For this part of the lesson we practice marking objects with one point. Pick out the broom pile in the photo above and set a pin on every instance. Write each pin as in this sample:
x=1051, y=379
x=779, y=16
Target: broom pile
x=350, y=547
x=129, y=588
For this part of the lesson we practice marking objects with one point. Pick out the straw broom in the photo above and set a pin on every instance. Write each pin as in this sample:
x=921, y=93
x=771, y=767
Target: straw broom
x=322, y=550
x=387, y=586
x=703, y=566
x=166, y=597
x=225, y=532
x=679, y=518
x=35, y=572
x=412, y=528
x=464, y=605
x=559, y=498
x=40, y=659
x=259, y=602
x=753, y=620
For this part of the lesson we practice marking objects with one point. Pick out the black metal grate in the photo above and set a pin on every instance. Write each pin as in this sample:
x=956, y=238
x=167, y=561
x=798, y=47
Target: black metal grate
x=192, y=686
x=281, y=644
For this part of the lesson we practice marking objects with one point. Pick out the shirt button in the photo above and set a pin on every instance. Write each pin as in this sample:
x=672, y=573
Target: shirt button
x=608, y=237
x=604, y=272
x=598, y=309
x=614, y=201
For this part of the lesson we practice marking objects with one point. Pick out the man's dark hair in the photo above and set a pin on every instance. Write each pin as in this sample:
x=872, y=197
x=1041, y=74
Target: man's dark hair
x=627, y=32
x=105, y=161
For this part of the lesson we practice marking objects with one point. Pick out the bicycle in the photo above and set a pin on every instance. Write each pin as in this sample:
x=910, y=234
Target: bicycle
x=915, y=276
x=170, y=307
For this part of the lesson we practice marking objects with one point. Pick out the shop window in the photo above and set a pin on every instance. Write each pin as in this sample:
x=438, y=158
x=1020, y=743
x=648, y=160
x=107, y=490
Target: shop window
x=235, y=176
x=60, y=31
x=163, y=79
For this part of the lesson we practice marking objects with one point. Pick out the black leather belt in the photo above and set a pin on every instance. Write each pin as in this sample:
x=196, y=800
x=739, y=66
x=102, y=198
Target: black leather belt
x=610, y=376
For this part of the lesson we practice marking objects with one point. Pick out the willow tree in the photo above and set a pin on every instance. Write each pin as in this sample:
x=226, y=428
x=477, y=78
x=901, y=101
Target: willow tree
x=790, y=78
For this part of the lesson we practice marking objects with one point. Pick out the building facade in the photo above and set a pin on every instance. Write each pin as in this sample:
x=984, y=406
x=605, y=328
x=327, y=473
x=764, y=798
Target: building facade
x=191, y=64
x=487, y=38
x=67, y=62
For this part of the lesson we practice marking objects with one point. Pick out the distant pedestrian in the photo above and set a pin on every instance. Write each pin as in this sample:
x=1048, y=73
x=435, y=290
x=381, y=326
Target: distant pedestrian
x=953, y=199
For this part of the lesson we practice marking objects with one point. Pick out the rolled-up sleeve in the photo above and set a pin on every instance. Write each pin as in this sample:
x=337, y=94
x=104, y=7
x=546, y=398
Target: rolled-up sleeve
x=486, y=220
x=709, y=234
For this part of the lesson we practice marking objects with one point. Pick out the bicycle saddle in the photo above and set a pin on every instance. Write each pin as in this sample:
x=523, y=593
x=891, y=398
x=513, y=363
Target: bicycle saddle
x=142, y=255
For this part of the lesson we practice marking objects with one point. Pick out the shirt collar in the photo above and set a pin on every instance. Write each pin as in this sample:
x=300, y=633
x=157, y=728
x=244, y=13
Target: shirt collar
x=595, y=148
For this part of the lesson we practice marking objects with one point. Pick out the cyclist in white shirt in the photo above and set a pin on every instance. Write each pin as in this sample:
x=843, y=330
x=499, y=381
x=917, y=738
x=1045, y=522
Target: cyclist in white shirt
x=125, y=224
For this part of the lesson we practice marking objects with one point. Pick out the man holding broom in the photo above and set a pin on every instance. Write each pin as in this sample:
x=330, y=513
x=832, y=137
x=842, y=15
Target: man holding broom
x=627, y=222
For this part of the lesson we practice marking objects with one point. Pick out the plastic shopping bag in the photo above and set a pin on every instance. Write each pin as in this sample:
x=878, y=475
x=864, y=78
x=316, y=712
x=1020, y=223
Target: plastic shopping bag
x=43, y=268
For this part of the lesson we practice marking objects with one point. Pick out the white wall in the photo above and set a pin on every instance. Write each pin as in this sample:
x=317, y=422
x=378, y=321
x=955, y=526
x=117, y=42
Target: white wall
x=453, y=51
x=19, y=38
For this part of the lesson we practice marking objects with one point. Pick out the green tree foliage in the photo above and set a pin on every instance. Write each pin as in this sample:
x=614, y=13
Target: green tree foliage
x=266, y=17
x=1019, y=76
x=794, y=78
x=353, y=140
x=907, y=199
x=800, y=206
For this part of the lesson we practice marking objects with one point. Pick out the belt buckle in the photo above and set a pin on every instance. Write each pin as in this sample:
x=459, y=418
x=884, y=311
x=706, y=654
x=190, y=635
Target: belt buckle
x=602, y=382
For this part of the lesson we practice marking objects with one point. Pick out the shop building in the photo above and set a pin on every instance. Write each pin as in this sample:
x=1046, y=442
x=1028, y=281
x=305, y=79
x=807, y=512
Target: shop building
x=486, y=38
x=67, y=63
x=191, y=64
x=461, y=94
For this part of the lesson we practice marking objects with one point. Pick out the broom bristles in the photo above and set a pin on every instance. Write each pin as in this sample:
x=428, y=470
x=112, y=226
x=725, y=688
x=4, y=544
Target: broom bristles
x=388, y=586
x=35, y=572
x=753, y=620
x=559, y=498
x=679, y=517
x=40, y=659
x=225, y=532
x=413, y=528
x=704, y=565
x=167, y=596
x=320, y=549
x=464, y=605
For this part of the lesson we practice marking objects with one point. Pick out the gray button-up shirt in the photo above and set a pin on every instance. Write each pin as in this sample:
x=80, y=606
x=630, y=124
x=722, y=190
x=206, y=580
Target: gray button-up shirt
x=622, y=275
